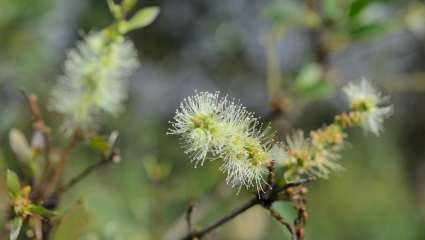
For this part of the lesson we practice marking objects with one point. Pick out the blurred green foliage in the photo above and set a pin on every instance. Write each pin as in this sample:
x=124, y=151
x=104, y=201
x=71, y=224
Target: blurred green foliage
x=144, y=195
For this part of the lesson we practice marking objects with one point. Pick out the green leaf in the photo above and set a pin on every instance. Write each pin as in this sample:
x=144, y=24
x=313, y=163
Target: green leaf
x=115, y=9
x=141, y=19
x=366, y=30
x=127, y=5
x=15, y=228
x=310, y=84
x=321, y=90
x=99, y=144
x=19, y=145
x=309, y=76
x=41, y=211
x=25, y=153
x=358, y=6
x=13, y=185
x=72, y=225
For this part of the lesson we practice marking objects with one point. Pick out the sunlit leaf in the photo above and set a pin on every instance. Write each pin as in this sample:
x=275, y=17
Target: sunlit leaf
x=99, y=144
x=115, y=9
x=142, y=18
x=13, y=185
x=15, y=228
x=310, y=83
x=19, y=145
x=113, y=138
x=309, y=76
x=321, y=90
x=25, y=153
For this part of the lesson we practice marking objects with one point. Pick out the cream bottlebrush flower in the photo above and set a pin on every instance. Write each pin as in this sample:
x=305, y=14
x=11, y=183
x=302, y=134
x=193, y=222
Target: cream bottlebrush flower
x=246, y=149
x=372, y=105
x=327, y=143
x=94, y=80
x=245, y=157
x=216, y=128
x=293, y=155
x=199, y=123
x=301, y=158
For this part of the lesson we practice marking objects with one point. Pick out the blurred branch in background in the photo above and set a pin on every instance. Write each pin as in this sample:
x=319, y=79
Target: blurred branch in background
x=93, y=83
x=112, y=156
x=411, y=82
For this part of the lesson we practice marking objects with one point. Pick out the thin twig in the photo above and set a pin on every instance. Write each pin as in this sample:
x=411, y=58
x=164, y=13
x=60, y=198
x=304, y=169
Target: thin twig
x=274, y=74
x=266, y=200
x=293, y=184
x=39, y=125
x=199, y=234
x=57, y=172
x=189, y=214
x=299, y=222
x=271, y=179
x=99, y=164
x=33, y=104
x=281, y=220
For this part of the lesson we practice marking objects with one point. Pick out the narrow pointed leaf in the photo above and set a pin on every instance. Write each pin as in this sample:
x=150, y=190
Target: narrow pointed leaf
x=358, y=6
x=15, y=228
x=13, y=185
x=115, y=9
x=99, y=144
x=367, y=30
x=41, y=211
x=142, y=18
x=19, y=145
x=127, y=5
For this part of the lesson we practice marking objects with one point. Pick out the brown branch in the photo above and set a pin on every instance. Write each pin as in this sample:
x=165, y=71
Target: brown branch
x=271, y=178
x=273, y=71
x=110, y=158
x=189, y=213
x=300, y=221
x=39, y=123
x=32, y=101
x=57, y=172
x=40, y=126
x=199, y=234
x=281, y=220
x=265, y=200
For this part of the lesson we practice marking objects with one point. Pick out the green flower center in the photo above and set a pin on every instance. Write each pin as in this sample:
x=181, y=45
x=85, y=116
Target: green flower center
x=204, y=122
x=363, y=105
x=256, y=153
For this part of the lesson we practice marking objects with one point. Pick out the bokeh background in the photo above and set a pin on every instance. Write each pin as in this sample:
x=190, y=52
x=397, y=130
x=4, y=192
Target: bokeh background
x=277, y=54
